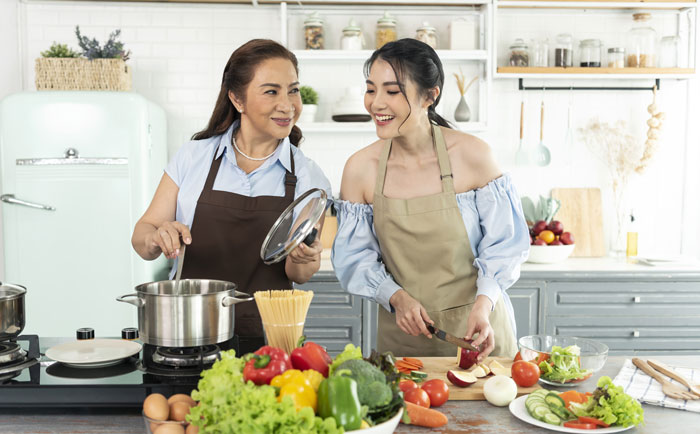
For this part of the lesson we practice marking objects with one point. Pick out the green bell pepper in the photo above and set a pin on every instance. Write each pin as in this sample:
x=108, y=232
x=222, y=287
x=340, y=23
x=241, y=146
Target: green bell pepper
x=337, y=398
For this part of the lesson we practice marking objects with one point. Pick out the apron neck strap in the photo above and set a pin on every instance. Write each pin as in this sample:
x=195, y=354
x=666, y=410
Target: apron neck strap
x=443, y=162
x=290, y=179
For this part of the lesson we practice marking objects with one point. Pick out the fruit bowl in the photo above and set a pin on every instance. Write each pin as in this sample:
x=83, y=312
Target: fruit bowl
x=550, y=254
x=386, y=427
x=592, y=357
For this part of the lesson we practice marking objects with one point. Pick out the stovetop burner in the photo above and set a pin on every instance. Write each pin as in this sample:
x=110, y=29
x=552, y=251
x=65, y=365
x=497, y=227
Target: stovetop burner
x=191, y=356
x=14, y=359
x=11, y=352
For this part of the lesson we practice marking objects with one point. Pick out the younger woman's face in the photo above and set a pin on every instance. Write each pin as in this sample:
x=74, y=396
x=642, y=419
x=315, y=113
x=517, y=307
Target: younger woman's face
x=272, y=102
x=388, y=106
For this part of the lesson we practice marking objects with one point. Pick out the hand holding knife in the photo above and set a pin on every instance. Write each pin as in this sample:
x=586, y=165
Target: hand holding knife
x=443, y=335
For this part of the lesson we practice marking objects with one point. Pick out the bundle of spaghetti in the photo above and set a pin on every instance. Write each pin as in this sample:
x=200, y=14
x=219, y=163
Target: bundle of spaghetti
x=283, y=314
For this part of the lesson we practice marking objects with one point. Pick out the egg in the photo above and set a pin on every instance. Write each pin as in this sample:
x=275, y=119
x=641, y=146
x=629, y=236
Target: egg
x=182, y=397
x=170, y=428
x=156, y=407
x=192, y=429
x=178, y=410
x=154, y=426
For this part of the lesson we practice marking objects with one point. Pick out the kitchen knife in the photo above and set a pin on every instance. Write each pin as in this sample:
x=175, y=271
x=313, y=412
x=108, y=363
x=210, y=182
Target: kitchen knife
x=443, y=335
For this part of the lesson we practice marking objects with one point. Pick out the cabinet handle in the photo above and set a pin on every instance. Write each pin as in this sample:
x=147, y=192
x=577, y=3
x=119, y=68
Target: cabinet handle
x=637, y=299
x=635, y=334
x=11, y=199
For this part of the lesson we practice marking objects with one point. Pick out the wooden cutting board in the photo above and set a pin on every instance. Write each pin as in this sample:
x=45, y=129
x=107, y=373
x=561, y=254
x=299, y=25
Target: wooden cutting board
x=437, y=367
x=581, y=213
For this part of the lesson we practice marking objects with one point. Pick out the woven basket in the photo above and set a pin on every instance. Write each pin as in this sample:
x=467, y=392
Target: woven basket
x=82, y=74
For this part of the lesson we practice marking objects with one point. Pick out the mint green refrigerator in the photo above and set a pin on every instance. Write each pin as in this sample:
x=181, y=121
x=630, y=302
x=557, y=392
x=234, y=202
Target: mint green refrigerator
x=78, y=169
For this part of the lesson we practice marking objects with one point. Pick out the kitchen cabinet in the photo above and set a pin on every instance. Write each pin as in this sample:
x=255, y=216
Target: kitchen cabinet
x=525, y=298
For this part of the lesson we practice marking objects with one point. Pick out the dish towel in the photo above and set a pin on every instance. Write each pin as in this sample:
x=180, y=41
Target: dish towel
x=642, y=387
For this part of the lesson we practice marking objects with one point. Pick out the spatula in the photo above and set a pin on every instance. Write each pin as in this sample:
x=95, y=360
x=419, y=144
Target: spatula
x=542, y=156
x=180, y=262
x=521, y=158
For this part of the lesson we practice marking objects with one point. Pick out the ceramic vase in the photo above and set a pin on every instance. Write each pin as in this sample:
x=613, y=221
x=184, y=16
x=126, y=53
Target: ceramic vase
x=462, y=112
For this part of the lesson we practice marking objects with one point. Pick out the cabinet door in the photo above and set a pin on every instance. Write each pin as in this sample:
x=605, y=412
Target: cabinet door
x=525, y=297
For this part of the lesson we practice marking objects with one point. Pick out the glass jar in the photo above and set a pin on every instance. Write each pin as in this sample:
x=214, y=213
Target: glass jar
x=313, y=32
x=386, y=30
x=590, y=53
x=564, y=50
x=518, y=54
x=641, y=43
x=352, y=37
x=539, y=55
x=669, y=52
x=426, y=33
x=616, y=57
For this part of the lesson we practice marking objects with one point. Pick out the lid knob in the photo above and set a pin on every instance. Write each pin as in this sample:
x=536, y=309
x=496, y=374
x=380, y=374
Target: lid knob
x=130, y=333
x=85, y=333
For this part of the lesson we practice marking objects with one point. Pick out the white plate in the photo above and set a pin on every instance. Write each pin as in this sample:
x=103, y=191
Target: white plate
x=91, y=353
x=517, y=408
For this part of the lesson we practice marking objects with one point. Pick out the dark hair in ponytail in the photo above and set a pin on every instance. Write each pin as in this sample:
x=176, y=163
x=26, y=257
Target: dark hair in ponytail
x=417, y=61
x=238, y=73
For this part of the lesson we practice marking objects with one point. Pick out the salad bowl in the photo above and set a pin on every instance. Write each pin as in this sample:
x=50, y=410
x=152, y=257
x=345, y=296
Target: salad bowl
x=564, y=361
x=386, y=427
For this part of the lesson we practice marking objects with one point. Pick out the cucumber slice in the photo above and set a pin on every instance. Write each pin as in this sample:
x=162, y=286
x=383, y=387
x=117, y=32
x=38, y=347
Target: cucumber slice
x=418, y=374
x=551, y=418
x=563, y=413
x=554, y=400
x=541, y=412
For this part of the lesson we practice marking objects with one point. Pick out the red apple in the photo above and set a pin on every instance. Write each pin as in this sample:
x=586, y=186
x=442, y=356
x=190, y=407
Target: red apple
x=556, y=243
x=539, y=242
x=566, y=238
x=556, y=226
x=531, y=240
x=539, y=227
x=461, y=379
x=466, y=358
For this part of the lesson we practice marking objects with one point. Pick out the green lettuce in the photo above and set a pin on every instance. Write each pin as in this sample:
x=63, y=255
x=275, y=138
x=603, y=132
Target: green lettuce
x=229, y=405
x=563, y=365
x=349, y=353
x=610, y=404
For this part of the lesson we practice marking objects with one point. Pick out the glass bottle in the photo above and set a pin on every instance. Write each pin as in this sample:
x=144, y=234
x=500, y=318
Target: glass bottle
x=518, y=54
x=590, y=53
x=386, y=30
x=616, y=57
x=426, y=33
x=641, y=43
x=540, y=53
x=669, y=52
x=352, y=37
x=313, y=32
x=632, y=236
x=564, y=50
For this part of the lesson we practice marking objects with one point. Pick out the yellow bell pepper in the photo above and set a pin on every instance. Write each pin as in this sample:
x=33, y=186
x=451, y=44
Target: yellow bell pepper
x=314, y=378
x=293, y=383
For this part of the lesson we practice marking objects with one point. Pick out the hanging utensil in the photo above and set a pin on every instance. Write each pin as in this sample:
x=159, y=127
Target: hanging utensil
x=542, y=154
x=569, y=137
x=521, y=158
x=180, y=263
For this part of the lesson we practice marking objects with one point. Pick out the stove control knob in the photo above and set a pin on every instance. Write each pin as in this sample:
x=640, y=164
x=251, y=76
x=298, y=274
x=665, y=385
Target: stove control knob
x=85, y=333
x=130, y=333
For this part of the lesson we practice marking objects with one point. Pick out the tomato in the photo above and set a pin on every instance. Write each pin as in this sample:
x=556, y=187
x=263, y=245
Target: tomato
x=577, y=425
x=417, y=396
x=518, y=357
x=525, y=374
x=406, y=385
x=594, y=421
x=437, y=391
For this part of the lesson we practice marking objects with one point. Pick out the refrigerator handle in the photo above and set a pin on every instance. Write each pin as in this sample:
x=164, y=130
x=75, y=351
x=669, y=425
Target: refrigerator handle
x=10, y=198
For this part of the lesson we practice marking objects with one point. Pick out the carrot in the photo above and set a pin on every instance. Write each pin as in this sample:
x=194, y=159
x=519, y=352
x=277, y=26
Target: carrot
x=422, y=416
x=572, y=396
x=416, y=362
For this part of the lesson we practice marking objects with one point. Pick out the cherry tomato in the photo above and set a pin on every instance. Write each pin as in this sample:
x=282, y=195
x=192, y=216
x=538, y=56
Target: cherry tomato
x=417, y=396
x=406, y=385
x=518, y=357
x=525, y=374
x=437, y=391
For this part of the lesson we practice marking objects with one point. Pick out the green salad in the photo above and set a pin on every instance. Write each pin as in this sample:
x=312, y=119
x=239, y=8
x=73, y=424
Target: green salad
x=610, y=404
x=564, y=365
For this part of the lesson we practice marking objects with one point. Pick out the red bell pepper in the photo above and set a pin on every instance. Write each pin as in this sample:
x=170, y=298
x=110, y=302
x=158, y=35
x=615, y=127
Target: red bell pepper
x=310, y=355
x=264, y=364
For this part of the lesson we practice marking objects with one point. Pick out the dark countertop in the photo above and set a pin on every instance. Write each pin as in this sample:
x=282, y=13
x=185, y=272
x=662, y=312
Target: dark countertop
x=474, y=417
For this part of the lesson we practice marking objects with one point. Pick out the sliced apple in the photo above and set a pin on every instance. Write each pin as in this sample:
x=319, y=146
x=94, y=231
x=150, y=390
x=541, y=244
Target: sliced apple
x=478, y=372
x=500, y=371
x=485, y=367
x=495, y=365
x=461, y=378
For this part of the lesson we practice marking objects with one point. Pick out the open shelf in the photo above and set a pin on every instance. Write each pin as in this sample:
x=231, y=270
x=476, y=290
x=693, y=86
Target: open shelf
x=592, y=73
x=445, y=55
x=600, y=4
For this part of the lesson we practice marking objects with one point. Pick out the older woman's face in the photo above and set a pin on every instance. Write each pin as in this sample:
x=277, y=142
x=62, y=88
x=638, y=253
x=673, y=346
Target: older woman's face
x=273, y=103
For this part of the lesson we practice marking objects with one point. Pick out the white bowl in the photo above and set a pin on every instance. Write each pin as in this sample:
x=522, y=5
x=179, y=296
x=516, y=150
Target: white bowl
x=386, y=427
x=550, y=254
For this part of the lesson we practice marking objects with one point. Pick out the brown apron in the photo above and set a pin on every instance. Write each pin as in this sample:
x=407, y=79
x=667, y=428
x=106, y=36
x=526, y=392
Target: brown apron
x=227, y=232
x=425, y=247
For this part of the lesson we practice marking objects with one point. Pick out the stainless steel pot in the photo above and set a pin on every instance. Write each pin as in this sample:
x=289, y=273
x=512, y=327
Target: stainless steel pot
x=201, y=313
x=11, y=310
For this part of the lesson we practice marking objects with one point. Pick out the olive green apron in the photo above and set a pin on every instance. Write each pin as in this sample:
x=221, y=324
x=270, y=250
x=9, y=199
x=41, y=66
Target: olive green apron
x=425, y=247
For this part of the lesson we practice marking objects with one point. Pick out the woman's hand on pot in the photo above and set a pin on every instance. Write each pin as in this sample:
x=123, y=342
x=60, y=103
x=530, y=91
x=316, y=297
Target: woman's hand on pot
x=304, y=254
x=411, y=316
x=167, y=238
x=478, y=322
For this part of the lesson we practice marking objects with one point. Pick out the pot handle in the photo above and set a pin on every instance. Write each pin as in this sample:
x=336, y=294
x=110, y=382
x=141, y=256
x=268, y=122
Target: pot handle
x=138, y=302
x=230, y=301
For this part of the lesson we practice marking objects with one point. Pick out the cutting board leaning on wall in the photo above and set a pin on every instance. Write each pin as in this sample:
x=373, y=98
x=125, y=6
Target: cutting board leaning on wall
x=581, y=213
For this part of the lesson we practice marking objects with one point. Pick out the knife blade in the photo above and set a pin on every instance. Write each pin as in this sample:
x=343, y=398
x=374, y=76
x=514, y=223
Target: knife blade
x=443, y=335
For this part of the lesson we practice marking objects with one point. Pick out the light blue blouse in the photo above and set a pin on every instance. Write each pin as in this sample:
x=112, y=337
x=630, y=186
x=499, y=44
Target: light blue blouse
x=498, y=234
x=190, y=166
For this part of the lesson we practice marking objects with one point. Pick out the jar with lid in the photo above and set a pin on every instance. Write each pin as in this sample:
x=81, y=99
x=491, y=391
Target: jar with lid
x=539, y=54
x=352, y=37
x=590, y=53
x=386, y=30
x=616, y=57
x=641, y=43
x=669, y=52
x=564, y=50
x=313, y=32
x=518, y=54
x=426, y=33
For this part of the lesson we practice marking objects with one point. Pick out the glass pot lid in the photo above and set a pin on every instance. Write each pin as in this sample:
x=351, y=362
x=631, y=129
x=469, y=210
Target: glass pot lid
x=298, y=223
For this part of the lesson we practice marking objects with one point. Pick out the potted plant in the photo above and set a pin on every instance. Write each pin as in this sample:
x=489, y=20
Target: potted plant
x=309, y=101
x=101, y=67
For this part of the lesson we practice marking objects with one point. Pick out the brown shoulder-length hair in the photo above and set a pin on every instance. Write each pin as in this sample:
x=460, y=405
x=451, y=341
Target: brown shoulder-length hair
x=238, y=74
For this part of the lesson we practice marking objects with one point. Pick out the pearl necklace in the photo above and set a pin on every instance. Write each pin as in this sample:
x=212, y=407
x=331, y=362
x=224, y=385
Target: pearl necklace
x=233, y=142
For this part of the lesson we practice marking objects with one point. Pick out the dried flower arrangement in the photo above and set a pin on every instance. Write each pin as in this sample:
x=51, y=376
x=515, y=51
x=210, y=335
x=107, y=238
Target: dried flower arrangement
x=461, y=80
x=112, y=49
